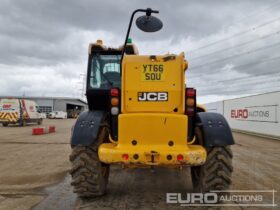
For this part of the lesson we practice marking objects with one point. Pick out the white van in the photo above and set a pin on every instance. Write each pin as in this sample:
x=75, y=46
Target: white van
x=57, y=115
x=20, y=111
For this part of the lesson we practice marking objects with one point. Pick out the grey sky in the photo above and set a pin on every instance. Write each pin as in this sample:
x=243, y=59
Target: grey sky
x=43, y=43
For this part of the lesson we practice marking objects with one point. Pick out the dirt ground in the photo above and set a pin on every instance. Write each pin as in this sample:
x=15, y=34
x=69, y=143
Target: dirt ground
x=30, y=163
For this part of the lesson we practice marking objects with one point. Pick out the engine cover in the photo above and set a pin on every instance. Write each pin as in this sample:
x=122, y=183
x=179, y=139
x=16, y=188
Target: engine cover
x=150, y=82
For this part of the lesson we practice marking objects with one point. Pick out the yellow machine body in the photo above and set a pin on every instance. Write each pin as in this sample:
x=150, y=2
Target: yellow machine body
x=158, y=74
x=152, y=126
x=152, y=139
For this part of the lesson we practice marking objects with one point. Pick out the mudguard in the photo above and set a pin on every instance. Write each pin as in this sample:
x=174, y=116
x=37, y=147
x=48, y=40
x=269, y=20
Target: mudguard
x=86, y=128
x=215, y=128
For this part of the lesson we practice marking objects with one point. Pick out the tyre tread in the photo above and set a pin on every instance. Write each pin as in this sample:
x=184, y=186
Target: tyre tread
x=217, y=169
x=87, y=171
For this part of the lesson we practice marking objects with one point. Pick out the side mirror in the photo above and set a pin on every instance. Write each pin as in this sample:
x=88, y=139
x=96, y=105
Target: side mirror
x=149, y=23
x=146, y=23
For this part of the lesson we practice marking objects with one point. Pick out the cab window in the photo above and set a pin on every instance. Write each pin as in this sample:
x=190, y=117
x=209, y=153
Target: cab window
x=105, y=71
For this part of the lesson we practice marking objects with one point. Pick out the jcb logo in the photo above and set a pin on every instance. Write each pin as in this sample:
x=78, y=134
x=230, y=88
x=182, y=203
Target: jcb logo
x=152, y=96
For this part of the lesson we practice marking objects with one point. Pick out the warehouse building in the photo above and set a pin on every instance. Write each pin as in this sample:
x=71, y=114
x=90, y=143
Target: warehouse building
x=257, y=114
x=49, y=104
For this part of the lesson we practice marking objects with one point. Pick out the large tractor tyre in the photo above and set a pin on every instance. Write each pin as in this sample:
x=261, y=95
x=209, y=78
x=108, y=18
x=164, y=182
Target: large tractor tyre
x=216, y=172
x=5, y=124
x=89, y=175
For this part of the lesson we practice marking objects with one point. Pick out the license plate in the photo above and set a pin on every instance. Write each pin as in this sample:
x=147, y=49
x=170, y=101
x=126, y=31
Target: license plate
x=152, y=72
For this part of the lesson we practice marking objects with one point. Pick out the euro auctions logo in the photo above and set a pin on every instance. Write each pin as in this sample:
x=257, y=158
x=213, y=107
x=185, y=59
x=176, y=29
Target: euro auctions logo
x=245, y=113
x=239, y=113
x=190, y=198
x=246, y=198
x=266, y=113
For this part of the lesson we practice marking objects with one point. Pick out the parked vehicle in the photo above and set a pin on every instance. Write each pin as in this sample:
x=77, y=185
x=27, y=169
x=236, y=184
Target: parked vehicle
x=22, y=111
x=57, y=115
x=43, y=115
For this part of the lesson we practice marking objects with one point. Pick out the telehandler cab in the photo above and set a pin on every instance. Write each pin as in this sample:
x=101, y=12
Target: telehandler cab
x=142, y=113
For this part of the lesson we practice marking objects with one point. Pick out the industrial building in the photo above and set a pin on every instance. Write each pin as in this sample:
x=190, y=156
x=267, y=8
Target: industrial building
x=49, y=104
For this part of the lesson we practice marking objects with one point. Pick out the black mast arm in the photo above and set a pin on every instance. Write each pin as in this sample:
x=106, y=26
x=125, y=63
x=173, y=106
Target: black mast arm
x=148, y=11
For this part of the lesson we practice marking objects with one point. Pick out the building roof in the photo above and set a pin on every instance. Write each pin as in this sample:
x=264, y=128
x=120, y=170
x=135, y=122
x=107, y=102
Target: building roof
x=247, y=96
x=47, y=97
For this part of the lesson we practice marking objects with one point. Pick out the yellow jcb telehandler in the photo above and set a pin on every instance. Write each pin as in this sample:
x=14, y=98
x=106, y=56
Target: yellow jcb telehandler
x=142, y=113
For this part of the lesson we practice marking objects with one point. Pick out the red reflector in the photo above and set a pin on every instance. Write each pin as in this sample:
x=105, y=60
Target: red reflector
x=114, y=92
x=125, y=156
x=190, y=92
x=180, y=157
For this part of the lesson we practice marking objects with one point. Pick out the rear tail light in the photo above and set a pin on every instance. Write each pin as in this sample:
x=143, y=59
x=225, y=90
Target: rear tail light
x=114, y=101
x=114, y=92
x=190, y=102
x=190, y=111
x=190, y=107
x=114, y=110
x=114, y=107
x=190, y=92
